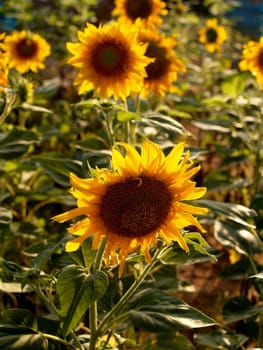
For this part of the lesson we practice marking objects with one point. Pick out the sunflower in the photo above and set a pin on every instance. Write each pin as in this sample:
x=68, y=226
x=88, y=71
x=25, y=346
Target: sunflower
x=252, y=59
x=110, y=60
x=3, y=64
x=26, y=51
x=212, y=35
x=148, y=11
x=141, y=198
x=162, y=73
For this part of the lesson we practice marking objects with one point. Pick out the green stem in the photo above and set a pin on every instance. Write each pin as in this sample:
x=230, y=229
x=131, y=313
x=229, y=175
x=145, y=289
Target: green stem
x=108, y=127
x=58, y=340
x=110, y=317
x=258, y=160
x=93, y=311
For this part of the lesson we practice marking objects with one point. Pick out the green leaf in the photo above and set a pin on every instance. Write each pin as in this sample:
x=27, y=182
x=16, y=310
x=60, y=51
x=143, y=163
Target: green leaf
x=21, y=317
x=5, y=217
x=199, y=251
x=125, y=116
x=234, y=85
x=15, y=143
x=258, y=275
x=237, y=237
x=163, y=123
x=58, y=167
x=221, y=126
x=239, y=308
x=237, y=213
x=156, y=311
x=220, y=340
x=170, y=341
x=77, y=289
x=23, y=342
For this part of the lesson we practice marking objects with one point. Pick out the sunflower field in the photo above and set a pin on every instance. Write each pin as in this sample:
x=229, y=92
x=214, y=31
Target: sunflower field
x=131, y=178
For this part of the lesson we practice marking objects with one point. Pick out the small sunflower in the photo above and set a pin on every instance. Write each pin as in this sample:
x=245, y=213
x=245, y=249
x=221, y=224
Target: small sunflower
x=26, y=51
x=252, y=59
x=110, y=60
x=150, y=12
x=141, y=198
x=162, y=73
x=212, y=35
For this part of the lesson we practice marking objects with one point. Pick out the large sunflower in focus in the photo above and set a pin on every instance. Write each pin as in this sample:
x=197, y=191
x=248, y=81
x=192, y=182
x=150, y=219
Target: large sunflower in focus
x=110, y=60
x=252, y=59
x=150, y=12
x=26, y=51
x=162, y=73
x=212, y=35
x=141, y=198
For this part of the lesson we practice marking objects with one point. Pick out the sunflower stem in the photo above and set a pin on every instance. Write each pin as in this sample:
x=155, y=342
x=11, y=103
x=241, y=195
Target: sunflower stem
x=109, y=319
x=93, y=311
x=108, y=127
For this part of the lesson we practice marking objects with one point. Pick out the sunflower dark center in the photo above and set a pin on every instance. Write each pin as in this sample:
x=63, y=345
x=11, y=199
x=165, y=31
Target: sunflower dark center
x=159, y=67
x=211, y=35
x=135, y=207
x=109, y=58
x=26, y=48
x=260, y=59
x=138, y=8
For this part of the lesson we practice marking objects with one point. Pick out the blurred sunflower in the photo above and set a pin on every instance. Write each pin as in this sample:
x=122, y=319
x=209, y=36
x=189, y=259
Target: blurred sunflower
x=3, y=64
x=110, y=60
x=162, y=73
x=252, y=59
x=212, y=35
x=143, y=197
x=150, y=12
x=26, y=51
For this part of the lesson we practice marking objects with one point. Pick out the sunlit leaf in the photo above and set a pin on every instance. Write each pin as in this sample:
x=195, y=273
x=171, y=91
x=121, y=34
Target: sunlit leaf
x=239, y=308
x=15, y=143
x=237, y=237
x=125, y=116
x=77, y=289
x=221, y=340
x=156, y=311
x=237, y=213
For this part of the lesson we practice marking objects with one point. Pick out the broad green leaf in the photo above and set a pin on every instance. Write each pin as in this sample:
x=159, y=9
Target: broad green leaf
x=5, y=216
x=170, y=341
x=77, y=289
x=239, y=308
x=258, y=275
x=19, y=317
x=15, y=143
x=156, y=311
x=234, y=85
x=197, y=253
x=222, y=126
x=125, y=116
x=23, y=342
x=237, y=213
x=237, y=237
x=36, y=108
x=15, y=287
x=59, y=167
x=242, y=269
x=163, y=123
x=220, y=340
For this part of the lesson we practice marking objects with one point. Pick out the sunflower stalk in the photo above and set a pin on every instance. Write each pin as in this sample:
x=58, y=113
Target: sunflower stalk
x=93, y=311
x=110, y=318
